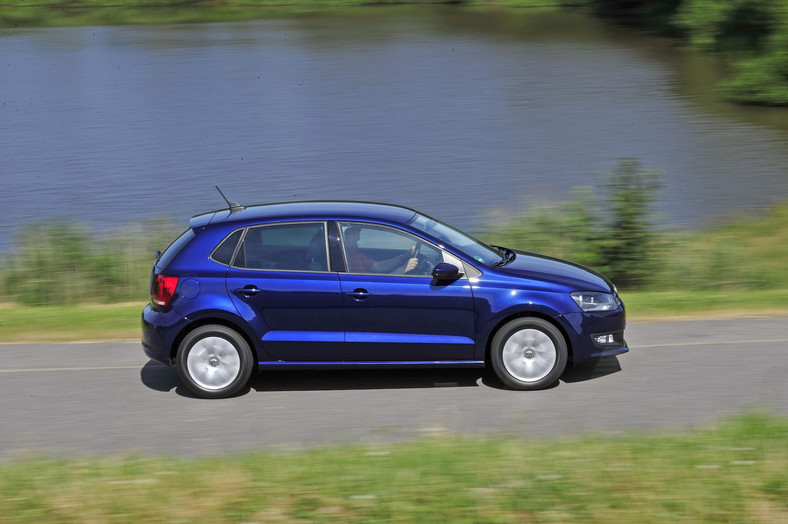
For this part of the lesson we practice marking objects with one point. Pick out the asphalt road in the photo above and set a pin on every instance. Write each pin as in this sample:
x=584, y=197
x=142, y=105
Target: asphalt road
x=107, y=398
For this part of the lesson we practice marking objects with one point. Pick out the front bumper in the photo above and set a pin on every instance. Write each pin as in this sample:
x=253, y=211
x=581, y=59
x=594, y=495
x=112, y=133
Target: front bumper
x=584, y=330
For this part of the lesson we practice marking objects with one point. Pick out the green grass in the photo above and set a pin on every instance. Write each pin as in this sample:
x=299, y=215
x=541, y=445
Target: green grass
x=20, y=323
x=687, y=305
x=744, y=252
x=736, y=472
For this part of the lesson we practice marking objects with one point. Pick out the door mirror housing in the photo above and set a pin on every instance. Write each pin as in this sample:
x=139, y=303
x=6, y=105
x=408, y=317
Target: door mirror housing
x=445, y=271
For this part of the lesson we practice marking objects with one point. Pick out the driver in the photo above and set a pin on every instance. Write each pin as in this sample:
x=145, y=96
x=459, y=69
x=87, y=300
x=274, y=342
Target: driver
x=361, y=263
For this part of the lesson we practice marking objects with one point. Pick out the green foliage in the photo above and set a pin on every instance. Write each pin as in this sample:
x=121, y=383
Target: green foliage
x=564, y=230
x=650, y=12
x=730, y=25
x=753, y=34
x=613, y=233
x=617, y=234
x=762, y=79
x=63, y=262
x=628, y=241
x=58, y=13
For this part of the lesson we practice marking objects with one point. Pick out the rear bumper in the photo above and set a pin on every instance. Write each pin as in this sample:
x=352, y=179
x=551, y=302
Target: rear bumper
x=158, y=334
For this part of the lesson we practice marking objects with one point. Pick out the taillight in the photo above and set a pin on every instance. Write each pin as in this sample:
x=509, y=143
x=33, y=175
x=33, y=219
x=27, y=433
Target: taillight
x=163, y=288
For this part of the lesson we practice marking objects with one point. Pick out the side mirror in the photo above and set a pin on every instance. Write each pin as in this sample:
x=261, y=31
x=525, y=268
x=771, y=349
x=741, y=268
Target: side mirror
x=445, y=271
x=157, y=254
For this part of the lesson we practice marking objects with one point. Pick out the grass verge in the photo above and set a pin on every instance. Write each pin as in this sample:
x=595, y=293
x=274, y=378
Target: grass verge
x=20, y=323
x=643, y=306
x=68, y=13
x=735, y=472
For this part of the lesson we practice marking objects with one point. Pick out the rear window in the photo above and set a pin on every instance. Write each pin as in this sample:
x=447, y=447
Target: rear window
x=284, y=247
x=174, y=248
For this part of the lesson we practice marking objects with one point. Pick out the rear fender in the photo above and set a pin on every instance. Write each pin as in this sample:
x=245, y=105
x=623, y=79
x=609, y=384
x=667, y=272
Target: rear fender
x=218, y=316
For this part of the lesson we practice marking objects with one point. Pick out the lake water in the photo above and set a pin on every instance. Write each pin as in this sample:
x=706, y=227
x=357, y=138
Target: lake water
x=452, y=112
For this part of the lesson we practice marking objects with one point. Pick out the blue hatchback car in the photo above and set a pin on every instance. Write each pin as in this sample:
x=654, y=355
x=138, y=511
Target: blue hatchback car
x=365, y=285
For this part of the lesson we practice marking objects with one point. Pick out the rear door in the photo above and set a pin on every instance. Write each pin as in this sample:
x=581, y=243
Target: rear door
x=281, y=285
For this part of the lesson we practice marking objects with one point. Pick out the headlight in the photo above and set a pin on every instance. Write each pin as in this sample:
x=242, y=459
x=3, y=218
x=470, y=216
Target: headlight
x=590, y=301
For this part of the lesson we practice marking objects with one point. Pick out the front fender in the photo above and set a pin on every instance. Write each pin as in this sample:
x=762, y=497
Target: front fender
x=494, y=307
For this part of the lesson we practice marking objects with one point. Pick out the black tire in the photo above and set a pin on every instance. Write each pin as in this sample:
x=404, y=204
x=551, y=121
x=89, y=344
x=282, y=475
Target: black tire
x=214, y=361
x=528, y=353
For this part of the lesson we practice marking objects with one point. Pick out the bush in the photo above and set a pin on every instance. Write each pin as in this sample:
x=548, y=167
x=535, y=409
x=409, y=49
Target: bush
x=64, y=262
x=754, y=33
x=762, y=79
x=618, y=235
x=751, y=34
x=614, y=233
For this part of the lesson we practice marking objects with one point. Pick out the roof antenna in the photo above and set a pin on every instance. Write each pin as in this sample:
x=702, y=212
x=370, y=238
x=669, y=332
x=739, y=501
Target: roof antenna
x=235, y=207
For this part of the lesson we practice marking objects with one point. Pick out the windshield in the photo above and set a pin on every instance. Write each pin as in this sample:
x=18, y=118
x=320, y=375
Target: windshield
x=455, y=238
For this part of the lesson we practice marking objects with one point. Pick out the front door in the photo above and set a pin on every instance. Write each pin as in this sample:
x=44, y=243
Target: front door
x=394, y=310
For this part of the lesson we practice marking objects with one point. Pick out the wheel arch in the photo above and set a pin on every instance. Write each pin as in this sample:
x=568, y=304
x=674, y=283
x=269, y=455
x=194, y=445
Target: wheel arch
x=527, y=314
x=217, y=319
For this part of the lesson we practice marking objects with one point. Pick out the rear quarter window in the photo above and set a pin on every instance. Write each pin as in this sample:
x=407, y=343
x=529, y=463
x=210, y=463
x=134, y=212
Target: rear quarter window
x=173, y=249
x=224, y=253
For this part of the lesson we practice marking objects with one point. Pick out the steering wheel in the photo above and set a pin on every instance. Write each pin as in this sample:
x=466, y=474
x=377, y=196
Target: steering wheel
x=425, y=266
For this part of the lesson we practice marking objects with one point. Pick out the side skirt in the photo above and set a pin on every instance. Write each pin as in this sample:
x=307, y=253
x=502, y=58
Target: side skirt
x=283, y=364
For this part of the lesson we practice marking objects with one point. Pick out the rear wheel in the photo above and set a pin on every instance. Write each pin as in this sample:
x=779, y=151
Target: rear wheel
x=528, y=353
x=214, y=361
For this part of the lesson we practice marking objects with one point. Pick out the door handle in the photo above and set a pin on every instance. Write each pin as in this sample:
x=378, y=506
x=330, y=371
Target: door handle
x=249, y=291
x=359, y=294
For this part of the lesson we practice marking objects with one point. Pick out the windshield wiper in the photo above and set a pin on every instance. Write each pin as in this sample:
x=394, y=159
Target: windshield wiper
x=507, y=256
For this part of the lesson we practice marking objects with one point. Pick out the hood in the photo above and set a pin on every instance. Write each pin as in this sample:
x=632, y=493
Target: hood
x=544, y=268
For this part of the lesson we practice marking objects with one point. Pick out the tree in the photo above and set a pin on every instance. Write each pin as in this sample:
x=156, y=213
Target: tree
x=628, y=239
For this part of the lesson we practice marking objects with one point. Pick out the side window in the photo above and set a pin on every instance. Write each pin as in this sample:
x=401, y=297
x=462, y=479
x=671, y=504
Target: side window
x=285, y=247
x=383, y=250
x=451, y=259
x=224, y=253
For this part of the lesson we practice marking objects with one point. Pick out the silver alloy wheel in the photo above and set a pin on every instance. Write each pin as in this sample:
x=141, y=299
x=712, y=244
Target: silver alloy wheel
x=529, y=355
x=213, y=363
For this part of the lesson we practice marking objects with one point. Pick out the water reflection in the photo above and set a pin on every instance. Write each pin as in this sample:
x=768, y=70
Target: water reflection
x=444, y=110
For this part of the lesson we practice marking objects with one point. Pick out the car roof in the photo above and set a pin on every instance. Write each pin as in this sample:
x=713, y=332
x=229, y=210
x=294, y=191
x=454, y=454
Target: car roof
x=307, y=210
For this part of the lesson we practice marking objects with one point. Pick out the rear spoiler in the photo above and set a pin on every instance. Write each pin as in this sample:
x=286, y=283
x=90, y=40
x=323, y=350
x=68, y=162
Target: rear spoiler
x=198, y=222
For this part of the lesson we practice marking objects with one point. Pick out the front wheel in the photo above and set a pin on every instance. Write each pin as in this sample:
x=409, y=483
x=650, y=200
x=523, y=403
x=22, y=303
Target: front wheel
x=214, y=361
x=528, y=353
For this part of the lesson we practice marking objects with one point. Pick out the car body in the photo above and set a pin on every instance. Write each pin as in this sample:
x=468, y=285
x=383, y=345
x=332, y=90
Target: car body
x=358, y=284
